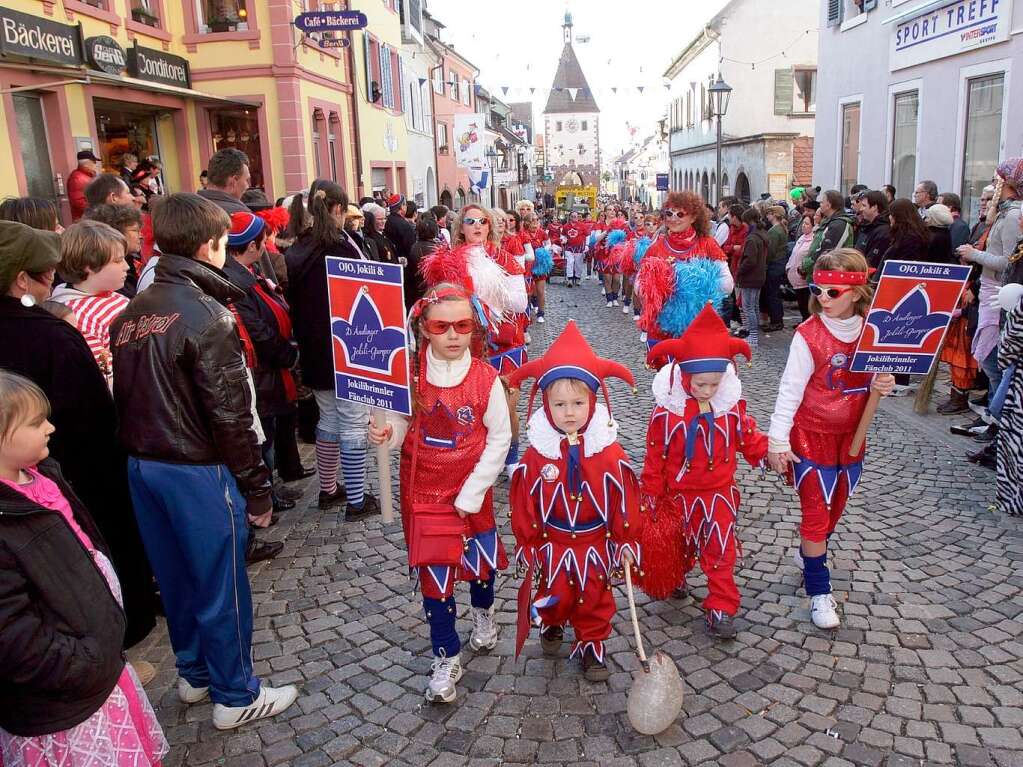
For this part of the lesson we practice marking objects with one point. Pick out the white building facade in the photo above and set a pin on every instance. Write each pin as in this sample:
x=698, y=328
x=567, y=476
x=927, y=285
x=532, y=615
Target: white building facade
x=919, y=90
x=767, y=132
x=417, y=61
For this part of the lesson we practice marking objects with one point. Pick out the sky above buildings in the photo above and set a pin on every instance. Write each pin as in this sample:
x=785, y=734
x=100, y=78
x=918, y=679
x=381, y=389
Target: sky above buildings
x=630, y=44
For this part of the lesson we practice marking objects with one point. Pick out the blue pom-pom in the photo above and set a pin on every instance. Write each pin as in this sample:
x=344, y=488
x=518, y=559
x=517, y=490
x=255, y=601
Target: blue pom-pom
x=591, y=240
x=641, y=247
x=696, y=282
x=543, y=262
x=615, y=237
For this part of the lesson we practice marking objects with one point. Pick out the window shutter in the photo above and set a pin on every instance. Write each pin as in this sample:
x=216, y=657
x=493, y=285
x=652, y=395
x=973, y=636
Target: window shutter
x=401, y=84
x=834, y=13
x=368, y=61
x=783, y=91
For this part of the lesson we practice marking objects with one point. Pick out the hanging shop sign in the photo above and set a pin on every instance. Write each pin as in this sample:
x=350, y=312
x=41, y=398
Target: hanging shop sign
x=334, y=42
x=331, y=21
x=106, y=54
x=158, y=67
x=953, y=28
x=22, y=34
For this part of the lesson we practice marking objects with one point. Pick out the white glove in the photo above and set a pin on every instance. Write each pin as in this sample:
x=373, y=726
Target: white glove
x=1008, y=297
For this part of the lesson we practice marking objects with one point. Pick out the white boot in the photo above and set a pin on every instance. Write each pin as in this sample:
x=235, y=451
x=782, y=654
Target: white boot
x=446, y=673
x=270, y=702
x=643, y=337
x=626, y=309
x=797, y=557
x=823, y=612
x=484, y=629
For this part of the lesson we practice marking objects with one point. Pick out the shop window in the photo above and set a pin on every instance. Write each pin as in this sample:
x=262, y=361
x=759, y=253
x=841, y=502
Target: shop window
x=850, y=158
x=239, y=129
x=145, y=12
x=380, y=179
x=985, y=100
x=124, y=129
x=906, y=113
x=221, y=15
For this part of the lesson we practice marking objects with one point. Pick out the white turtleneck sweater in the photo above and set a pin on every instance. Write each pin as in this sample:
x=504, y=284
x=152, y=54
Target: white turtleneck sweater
x=797, y=374
x=446, y=375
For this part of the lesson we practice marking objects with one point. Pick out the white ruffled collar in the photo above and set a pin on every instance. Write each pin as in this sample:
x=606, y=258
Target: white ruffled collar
x=671, y=396
x=446, y=374
x=601, y=432
x=846, y=330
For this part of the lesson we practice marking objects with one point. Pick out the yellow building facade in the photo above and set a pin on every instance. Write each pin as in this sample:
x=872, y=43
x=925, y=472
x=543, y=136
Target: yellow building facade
x=178, y=81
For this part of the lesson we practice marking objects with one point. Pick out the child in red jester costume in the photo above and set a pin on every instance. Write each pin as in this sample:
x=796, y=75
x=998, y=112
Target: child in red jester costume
x=451, y=455
x=817, y=412
x=574, y=503
x=698, y=427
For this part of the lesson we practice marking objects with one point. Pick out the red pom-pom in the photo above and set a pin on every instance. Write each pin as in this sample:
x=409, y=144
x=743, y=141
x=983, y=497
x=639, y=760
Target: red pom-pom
x=445, y=264
x=148, y=239
x=656, y=284
x=663, y=547
x=274, y=218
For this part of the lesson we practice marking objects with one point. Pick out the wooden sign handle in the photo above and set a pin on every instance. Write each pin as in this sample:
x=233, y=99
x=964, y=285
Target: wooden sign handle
x=861, y=431
x=383, y=469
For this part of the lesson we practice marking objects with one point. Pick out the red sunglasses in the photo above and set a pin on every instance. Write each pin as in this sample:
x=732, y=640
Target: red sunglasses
x=829, y=292
x=440, y=327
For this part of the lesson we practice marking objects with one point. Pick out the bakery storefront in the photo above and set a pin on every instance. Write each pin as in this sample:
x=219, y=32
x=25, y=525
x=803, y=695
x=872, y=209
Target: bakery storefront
x=63, y=90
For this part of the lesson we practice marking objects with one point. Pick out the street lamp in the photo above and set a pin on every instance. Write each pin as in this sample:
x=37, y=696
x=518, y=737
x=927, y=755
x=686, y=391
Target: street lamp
x=720, y=94
x=492, y=155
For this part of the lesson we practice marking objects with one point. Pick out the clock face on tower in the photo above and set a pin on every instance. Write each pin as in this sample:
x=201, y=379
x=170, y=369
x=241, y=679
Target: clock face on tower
x=572, y=126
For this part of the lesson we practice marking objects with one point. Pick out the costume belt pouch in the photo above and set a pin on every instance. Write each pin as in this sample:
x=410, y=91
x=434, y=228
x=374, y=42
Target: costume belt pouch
x=437, y=536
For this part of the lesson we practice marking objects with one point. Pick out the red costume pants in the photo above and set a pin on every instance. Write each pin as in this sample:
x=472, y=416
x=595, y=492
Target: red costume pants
x=588, y=606
x=708, y=530
x=825, y=477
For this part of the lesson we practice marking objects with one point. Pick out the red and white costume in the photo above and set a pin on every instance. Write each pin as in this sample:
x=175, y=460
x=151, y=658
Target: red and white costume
x=463, y=434
x=688, y=475
x=574, y=505
x=818, y=409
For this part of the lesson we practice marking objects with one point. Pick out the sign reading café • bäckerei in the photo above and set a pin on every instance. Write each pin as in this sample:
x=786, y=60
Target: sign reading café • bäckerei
x=22, y=34
x=955, y=27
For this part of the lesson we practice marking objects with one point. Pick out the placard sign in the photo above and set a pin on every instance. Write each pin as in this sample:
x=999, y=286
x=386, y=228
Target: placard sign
x=950, y=29
x=367, y=322
x=909, y=317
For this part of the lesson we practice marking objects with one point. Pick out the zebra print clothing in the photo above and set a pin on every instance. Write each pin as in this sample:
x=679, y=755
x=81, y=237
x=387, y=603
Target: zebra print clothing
x=1010, y=425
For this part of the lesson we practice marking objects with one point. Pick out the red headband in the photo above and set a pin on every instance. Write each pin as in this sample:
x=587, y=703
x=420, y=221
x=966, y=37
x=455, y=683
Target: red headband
x=830, y=277
x=435, y=296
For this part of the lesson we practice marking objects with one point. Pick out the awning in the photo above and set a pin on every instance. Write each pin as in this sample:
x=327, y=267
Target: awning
x=83, y=76
x=917, y=10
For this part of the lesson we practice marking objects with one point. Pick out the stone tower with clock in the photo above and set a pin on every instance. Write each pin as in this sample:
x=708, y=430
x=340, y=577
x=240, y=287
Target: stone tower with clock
x=571, y=122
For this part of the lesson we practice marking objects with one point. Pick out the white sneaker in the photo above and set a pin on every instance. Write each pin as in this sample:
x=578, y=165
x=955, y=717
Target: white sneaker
x=643, y=337
x=540, y=320
x=823, y=612
x=610, y=304
x=188, y=694
x=797, y=557
x=270, y=702
x=528, y=339
x=484, y=629
x=626, y=309
x=446, y=673
x=615, y=302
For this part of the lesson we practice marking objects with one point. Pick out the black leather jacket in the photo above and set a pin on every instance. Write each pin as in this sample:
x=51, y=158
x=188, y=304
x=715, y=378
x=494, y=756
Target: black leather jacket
x=180, y=382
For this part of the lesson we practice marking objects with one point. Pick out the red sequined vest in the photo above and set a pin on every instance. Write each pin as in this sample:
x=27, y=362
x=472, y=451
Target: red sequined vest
x=834, y=397
x=451, y=434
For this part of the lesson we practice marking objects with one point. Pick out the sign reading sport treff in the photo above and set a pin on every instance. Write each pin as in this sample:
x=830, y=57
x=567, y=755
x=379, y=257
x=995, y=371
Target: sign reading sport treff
x=331, y=21
x=955, y=27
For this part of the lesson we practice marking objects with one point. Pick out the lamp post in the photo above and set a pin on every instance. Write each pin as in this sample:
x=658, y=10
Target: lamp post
x=492, y=155
x=720, y=94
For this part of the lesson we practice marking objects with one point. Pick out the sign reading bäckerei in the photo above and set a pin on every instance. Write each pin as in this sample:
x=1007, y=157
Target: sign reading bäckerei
x=22, y=34
x=956, y=27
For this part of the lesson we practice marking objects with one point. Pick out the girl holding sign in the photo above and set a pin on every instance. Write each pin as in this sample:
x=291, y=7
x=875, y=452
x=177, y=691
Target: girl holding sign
x=452, y=452
x=819, y=406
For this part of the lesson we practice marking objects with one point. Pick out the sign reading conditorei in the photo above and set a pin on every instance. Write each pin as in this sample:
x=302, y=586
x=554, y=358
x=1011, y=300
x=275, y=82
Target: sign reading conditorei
x=158, y=67
x=22, y=34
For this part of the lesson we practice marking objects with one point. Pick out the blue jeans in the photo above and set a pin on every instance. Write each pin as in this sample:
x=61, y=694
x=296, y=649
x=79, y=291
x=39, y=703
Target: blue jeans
x=751, y=314
x=194, y=529
x=771, y=292
x=341, y=421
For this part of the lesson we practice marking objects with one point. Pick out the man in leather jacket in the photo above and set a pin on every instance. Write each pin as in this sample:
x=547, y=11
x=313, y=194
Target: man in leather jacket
x=195, y=468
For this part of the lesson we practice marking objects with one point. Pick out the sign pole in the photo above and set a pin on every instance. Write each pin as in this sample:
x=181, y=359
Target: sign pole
x=383, y=468
x=861, y=431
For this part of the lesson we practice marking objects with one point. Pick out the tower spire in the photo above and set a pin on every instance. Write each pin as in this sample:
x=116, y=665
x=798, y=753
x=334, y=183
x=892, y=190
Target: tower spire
x=567, y=26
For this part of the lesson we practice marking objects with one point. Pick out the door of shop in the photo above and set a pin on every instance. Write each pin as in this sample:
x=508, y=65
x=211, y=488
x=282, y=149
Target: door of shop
x=35, y=147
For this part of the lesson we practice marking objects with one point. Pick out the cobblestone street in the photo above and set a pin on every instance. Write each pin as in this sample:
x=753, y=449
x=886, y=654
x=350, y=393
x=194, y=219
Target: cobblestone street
x=927, y=667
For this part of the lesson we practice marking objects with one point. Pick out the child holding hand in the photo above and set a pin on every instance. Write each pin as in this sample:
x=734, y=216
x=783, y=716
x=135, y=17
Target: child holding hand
x=574, y=503
x=452, y=453
x=698, y=427
x=820, y=402
x=67, y=697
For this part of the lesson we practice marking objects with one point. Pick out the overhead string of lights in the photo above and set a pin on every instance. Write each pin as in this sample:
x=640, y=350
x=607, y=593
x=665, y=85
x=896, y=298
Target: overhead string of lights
x=782, y=52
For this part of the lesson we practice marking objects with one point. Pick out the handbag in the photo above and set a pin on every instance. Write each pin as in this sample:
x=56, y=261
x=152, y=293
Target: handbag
x=436, y=531
x=437, y=535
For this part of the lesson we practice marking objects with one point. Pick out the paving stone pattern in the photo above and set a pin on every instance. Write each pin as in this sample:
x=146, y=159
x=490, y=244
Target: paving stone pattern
x=927, y=667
